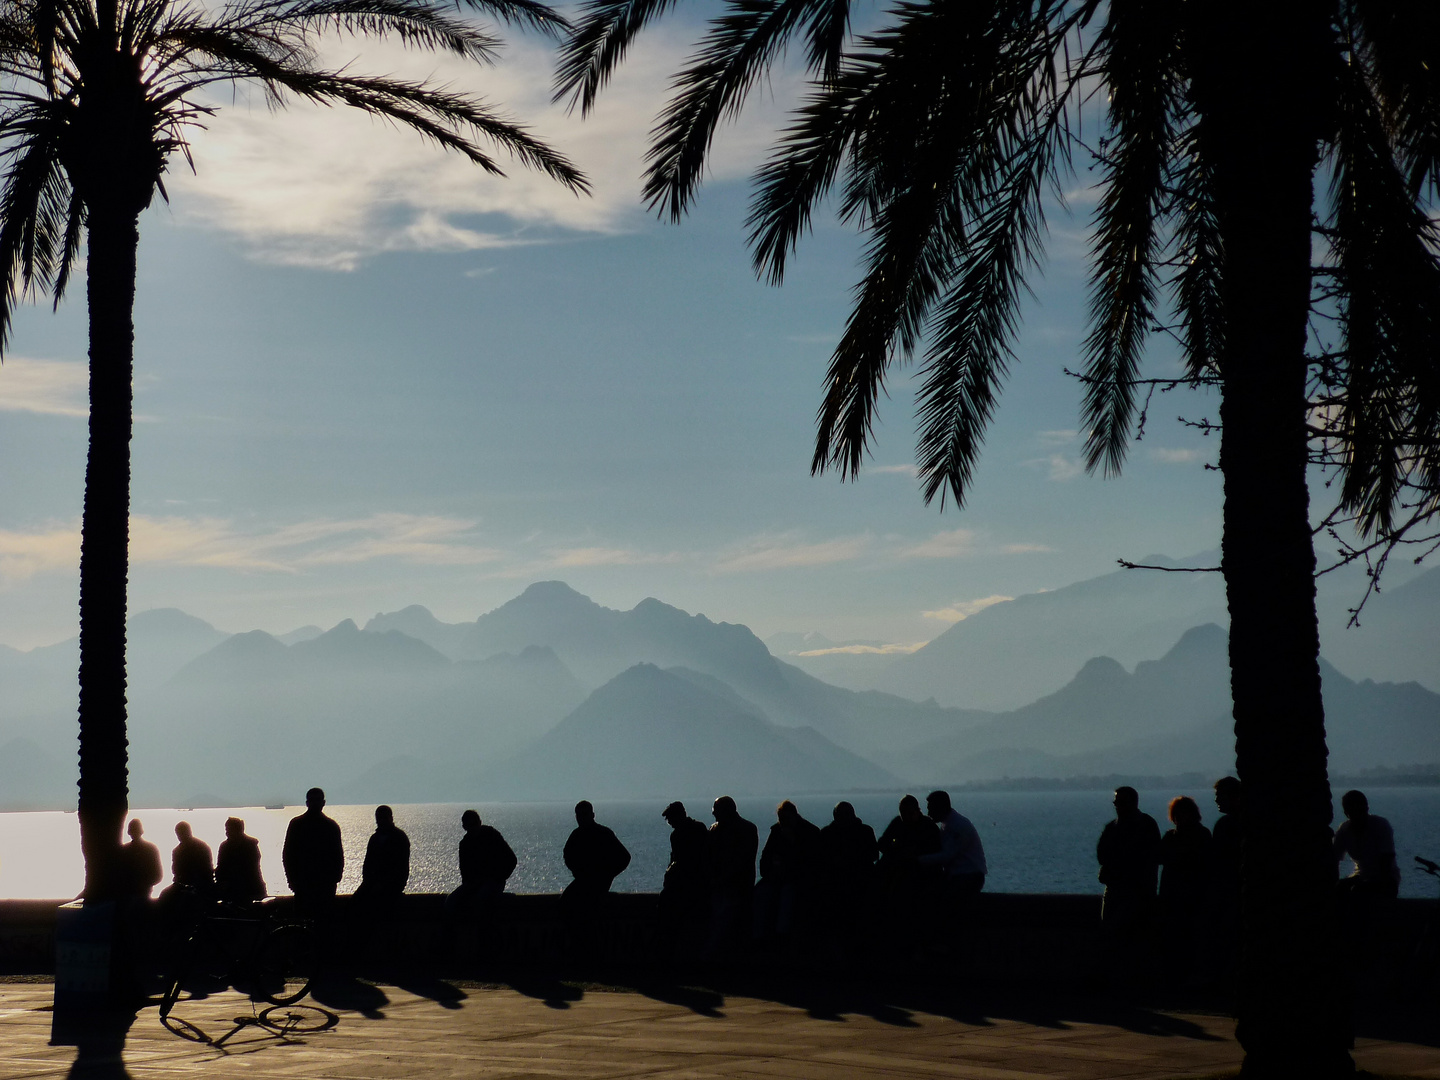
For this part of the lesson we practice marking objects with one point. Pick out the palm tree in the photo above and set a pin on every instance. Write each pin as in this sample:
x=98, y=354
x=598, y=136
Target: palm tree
x=96, y=100
x=941, y=134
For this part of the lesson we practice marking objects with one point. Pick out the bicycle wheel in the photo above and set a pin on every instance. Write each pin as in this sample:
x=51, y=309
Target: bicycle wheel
x=297, y=1019
x=285, y=963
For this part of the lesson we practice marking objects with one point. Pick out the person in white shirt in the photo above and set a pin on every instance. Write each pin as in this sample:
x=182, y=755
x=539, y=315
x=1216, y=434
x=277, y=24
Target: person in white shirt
x=1368, y=841
x=961, y=857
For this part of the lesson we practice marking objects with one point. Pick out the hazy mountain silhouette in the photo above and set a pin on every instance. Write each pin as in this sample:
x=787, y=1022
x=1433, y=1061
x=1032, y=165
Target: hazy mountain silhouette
x=301, y=633
x=1171, y=715
x=648, y=733
x=1020, y=650
x=417, y=622
x=853, y=665
x=1398, y=639
x=31, y=778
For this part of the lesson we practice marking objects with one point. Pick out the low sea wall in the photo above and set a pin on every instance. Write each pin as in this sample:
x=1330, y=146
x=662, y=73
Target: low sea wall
x=1050, y=940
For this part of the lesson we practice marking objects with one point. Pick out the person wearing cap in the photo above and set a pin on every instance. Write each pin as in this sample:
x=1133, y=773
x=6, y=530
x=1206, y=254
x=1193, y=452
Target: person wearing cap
x=686, y=888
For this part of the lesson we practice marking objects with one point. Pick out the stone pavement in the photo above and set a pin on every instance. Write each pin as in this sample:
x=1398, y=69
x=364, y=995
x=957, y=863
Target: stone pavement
x=435, y=1029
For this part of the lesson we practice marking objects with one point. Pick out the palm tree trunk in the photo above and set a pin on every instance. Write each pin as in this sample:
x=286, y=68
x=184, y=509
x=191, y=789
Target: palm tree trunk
x=1257, y=88
x=104, y=545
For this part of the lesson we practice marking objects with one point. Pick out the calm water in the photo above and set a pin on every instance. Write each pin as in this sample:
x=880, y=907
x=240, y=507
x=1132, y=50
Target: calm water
x=1034, y=841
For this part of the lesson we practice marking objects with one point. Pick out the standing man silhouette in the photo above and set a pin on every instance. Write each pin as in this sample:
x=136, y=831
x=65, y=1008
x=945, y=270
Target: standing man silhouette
x=237, y=864
x=387, y=861
x=313, y=856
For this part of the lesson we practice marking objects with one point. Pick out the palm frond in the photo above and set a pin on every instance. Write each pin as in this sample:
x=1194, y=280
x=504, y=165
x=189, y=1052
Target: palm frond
x=415, y=23
x=738, y=48
x=34, y=203
x=598, y=43
x=1201, y=255
x=1398, y=42
x=1387, y=273
x=1137, y=51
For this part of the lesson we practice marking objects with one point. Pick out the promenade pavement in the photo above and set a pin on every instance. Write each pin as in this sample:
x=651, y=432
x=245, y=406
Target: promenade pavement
x=435, y=1029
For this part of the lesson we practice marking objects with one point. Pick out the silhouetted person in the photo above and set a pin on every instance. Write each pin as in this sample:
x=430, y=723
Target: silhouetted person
x=387, y=861
x=1368, y=841
x=1129, y=854
x=1227, y=836
x=909, y=835
x=734, y=843
x=961, y=857
x=1186, y=852
x=313, y=855
x=142, y=869
x=789, y=874
x=191, y=865
x=486, y=863
x=237, y=865
x=685, y=893
x=596, y=857
x=847, y=853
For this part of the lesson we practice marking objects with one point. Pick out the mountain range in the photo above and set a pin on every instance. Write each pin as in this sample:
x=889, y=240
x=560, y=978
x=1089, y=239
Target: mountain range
x=554, y=696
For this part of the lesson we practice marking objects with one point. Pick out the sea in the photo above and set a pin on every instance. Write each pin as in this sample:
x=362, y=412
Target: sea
x=1035, y=841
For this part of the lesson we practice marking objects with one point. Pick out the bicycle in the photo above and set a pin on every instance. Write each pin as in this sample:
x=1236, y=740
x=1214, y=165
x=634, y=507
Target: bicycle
x=247, y=946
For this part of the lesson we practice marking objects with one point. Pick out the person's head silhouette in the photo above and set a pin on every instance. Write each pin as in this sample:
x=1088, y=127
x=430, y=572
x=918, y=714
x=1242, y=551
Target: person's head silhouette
x=584, y=812
x=1227, y=795
x=1355, y=805
x=787, y=812
x=1183, y=811
x=674, y=813
x=384, y=817
x=909, y=809
x=182, y=831
x=843, y=813
x=315, y=799
x=234, y=827
x=724, y=809
x=136, y=830
x=469, y=820
x=937, y=804
x=1127, y=800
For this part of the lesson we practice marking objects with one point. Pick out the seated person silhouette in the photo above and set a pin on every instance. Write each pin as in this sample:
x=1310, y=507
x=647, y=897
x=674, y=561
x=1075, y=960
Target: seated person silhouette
x=140, y=863
x=313, y=856
x=237, y=865
x=387, y=862
x=1129, y=857
x=486, y=863
x=596, y=857
x=909, y=835
x=685, y=891
x=961, y=858
x=191, y=865
x=789, y=874
x=1367, y=840
x=192, y=869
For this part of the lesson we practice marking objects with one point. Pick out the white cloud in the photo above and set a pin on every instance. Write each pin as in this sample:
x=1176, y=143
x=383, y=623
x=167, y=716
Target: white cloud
x=867, y=650
x=784, y=553
x=601, y=556
x=943, y=545
x=1024, y=549
x=329, y=187
x=52, y=387
x=25, y=554
x=893, y=470
x=222, y=544
x=1057, y=437
x=1058, y=467
x=1175, y=456
x=962, y=610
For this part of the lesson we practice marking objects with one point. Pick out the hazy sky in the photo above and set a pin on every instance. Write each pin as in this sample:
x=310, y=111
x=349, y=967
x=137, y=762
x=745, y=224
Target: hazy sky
x=368, y=376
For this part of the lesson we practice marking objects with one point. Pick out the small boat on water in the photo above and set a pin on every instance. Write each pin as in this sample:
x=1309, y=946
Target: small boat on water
x=275, y=806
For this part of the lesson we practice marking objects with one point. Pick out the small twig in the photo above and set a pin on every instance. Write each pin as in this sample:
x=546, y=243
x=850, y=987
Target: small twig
x=1128, y=565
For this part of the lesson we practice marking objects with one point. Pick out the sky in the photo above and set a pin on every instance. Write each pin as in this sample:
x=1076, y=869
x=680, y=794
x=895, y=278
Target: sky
x=368, y=376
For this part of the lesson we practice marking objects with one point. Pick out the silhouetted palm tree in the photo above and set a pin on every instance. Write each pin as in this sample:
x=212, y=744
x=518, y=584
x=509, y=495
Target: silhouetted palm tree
x=943, y=131
x=96, y=100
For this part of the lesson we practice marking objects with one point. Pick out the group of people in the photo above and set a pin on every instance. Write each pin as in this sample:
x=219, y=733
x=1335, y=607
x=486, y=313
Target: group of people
x=1190, y=878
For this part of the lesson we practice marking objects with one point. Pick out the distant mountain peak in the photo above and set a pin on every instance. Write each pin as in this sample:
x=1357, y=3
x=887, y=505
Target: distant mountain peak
x=344, y=628
x=551, y=592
